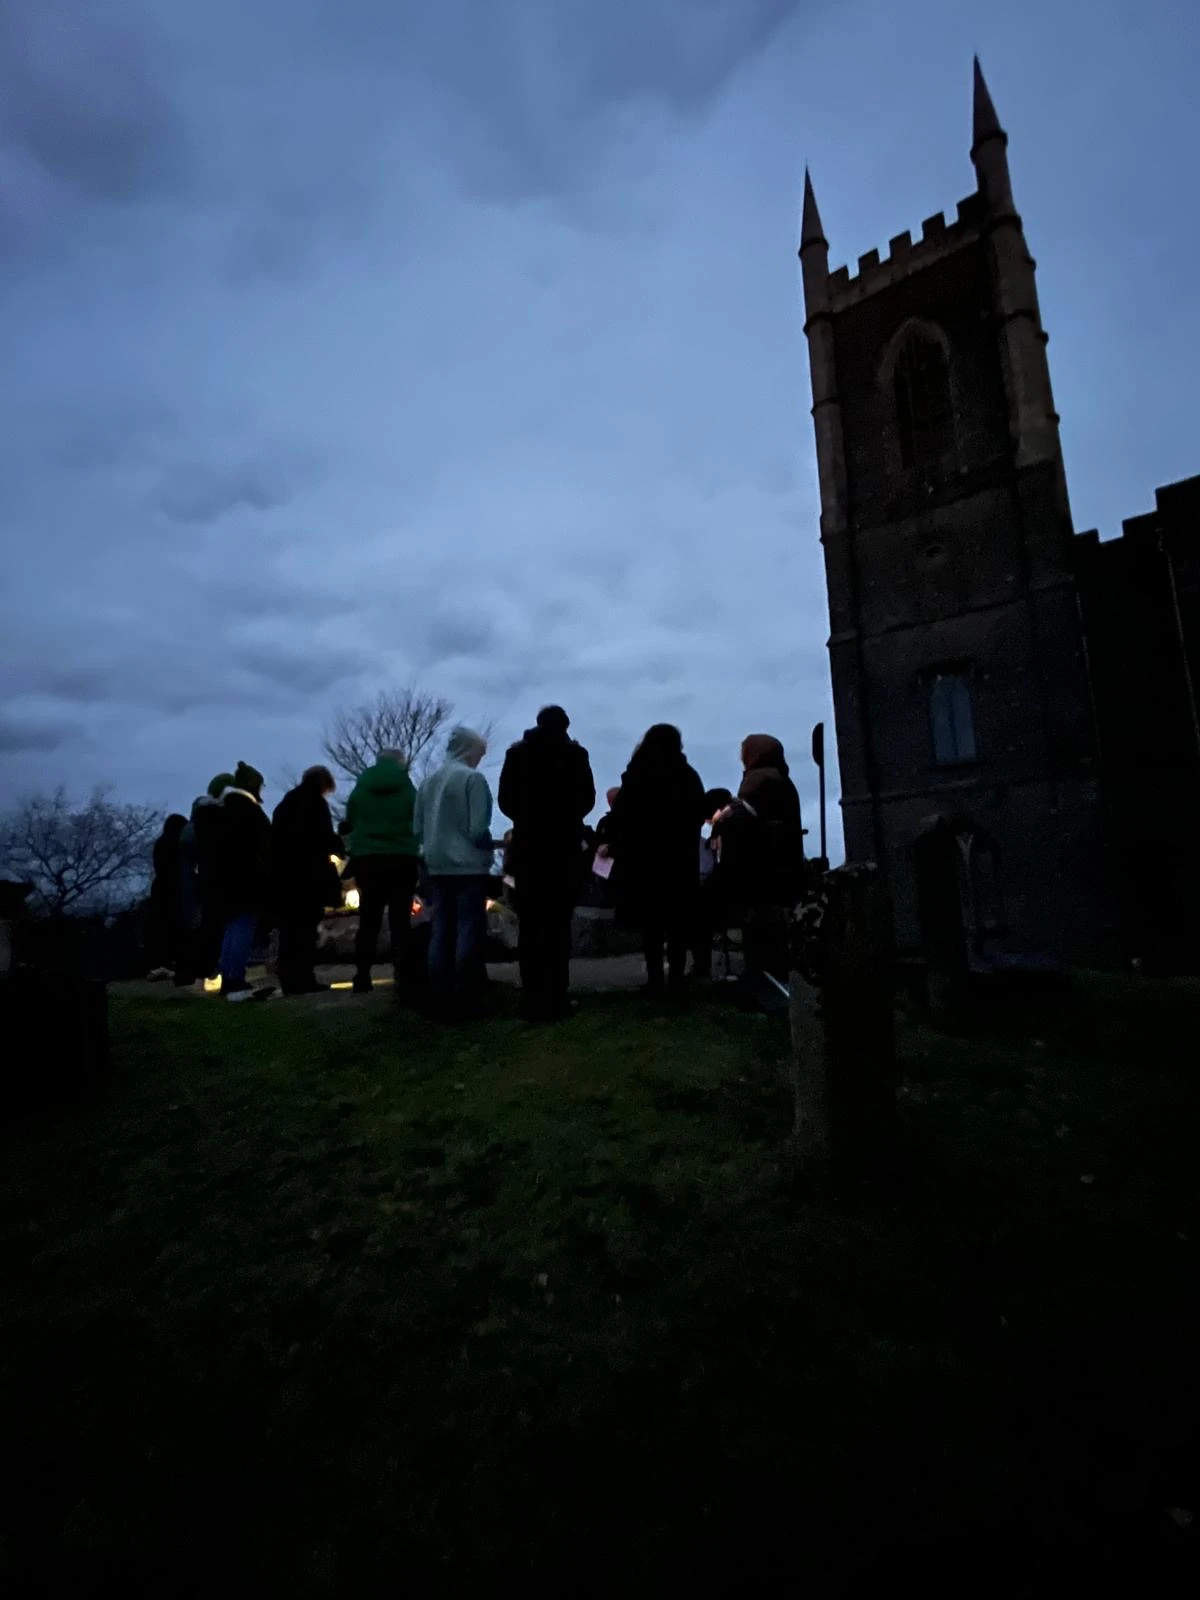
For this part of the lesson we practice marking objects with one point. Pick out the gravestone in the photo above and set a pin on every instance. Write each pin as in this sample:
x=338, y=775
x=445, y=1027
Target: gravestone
x=841, y=1009
x=53, y=1009
x=12, y=911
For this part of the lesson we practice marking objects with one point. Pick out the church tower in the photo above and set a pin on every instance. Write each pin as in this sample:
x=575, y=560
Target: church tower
x=964, y=721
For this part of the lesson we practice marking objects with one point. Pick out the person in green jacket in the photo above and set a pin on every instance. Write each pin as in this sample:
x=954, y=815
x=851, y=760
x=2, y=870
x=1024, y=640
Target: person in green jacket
x=383, y=862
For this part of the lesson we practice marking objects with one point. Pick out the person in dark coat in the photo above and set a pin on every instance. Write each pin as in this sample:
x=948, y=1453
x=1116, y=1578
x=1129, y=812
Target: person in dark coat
x=655, y=844
x=604, y=826
x=198, y=847
x=303, y=842
x=241, y=877
x=546, y=790
x=767, y=789
x=767, y=827
x=167, y=932
x=709, y=920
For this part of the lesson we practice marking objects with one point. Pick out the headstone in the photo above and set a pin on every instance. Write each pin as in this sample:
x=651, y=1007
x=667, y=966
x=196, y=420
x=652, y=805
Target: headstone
x=53, y=1011
x=12, y=910
x=810, y=1126
x=843, y=1025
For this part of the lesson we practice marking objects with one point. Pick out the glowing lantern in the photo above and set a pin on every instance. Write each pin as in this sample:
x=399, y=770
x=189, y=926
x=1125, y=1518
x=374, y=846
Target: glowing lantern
x=352, y=900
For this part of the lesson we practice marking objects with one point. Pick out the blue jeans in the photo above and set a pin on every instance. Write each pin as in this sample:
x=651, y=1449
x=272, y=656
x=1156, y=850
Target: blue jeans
x=457, y=941
x=236, y=948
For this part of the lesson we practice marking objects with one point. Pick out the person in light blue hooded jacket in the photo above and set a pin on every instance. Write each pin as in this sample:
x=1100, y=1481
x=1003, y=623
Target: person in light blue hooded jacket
x=453, y=821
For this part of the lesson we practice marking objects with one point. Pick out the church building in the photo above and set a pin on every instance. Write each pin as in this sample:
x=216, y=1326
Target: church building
x=1015, y=703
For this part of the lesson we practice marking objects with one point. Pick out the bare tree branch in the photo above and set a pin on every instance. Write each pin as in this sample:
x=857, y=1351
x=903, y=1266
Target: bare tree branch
x=398, y=719
x=91, y=858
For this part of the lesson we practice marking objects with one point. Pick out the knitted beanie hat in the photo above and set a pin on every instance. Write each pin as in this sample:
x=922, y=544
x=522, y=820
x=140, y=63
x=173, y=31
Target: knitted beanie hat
x=249, y=778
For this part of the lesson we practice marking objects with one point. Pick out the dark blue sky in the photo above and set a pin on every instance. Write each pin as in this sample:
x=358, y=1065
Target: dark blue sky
x=352, y=341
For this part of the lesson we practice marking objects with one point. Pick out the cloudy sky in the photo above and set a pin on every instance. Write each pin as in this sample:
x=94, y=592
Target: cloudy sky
x=356, y=342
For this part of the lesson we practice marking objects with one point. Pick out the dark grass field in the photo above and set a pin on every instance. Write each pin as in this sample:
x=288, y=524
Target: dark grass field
x=320, y=1300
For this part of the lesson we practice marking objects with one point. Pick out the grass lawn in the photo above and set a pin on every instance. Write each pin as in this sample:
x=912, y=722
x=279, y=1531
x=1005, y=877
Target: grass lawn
x=322, y=1300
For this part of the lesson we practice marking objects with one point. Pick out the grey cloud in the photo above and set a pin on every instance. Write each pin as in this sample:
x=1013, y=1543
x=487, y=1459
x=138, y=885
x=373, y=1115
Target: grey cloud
x=250, y=594
x=518, y=98
x=302, y=671
x=332, y=108
x=79, y=99
x=538, y=54
x=453, y=635
x=546, y=74
x=175, y=675
x=18, y=737
x=198, y=494
x=75, y=686
x=660, y=49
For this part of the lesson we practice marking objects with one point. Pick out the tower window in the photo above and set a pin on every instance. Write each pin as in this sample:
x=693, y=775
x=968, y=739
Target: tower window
x=924, y=416
x=951, y=716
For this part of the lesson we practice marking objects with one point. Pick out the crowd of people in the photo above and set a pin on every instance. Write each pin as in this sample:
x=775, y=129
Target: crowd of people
x=229, y=873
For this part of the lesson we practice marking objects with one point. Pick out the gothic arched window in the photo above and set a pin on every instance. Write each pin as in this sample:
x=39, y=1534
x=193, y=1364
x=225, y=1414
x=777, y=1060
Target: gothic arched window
x=924, y=413
x=951, y=716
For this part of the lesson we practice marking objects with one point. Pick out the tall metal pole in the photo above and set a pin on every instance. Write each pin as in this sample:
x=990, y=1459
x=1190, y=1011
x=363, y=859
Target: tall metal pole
x=818, y=755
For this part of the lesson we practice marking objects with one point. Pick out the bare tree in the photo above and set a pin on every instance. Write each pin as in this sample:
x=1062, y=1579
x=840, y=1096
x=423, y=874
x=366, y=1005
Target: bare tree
x=87, y=858
x=398, y=719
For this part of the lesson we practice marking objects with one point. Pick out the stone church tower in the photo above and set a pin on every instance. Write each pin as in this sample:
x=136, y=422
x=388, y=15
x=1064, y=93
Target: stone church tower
x=965, y=728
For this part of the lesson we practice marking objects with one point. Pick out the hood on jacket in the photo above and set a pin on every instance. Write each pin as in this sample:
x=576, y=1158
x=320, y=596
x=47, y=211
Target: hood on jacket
x=762, y=750
x=543, y=738
x=387, y=776
x=465, y=743
x=222, y=781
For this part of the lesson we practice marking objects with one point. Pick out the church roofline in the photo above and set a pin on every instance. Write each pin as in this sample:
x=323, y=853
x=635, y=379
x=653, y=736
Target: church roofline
x=906, y=255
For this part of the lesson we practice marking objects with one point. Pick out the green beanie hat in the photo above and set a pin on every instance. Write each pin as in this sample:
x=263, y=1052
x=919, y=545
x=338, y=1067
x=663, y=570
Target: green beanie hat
x=249, y=778
x=222, y=781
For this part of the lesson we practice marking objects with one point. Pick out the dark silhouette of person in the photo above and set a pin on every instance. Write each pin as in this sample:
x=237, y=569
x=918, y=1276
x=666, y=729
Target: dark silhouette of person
x=546, y=790
x=384, y=862
x=768, y=790
x=303, y=843
x=655, y=844
x=709, y=919
x=167, y=928
x=604, y=826
x=242, y=877
x=198, y=846
x=774, y=856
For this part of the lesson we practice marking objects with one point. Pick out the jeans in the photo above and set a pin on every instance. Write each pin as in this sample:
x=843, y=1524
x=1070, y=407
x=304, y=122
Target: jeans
x=456, y=947
x=385, y=883
x=236, y=948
